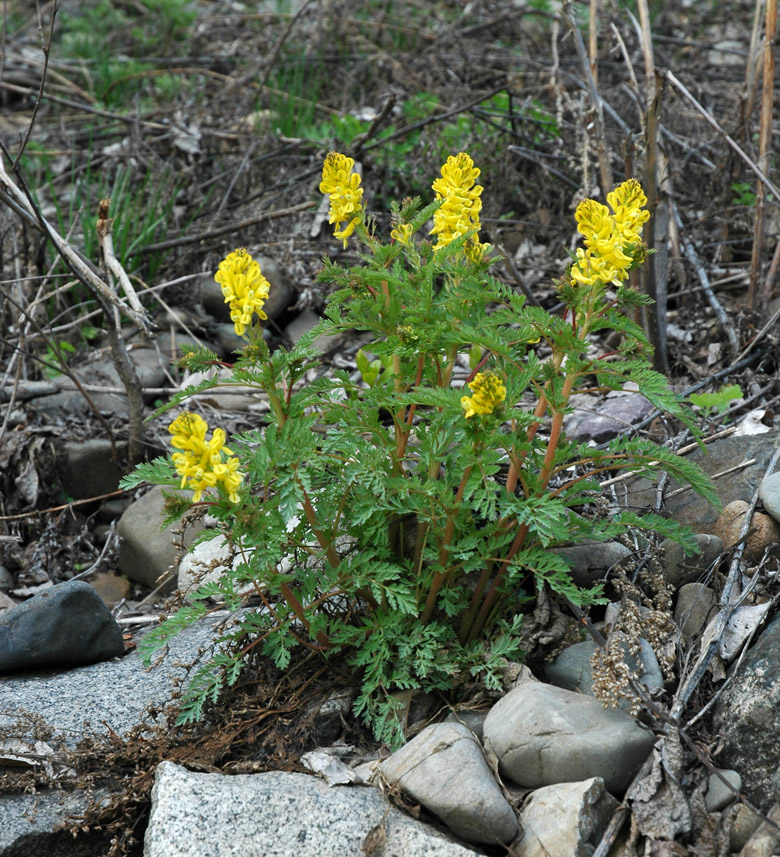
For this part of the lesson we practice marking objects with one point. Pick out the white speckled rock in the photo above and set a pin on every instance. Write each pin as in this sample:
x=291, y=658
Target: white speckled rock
x=443, y=768
x=205, y=563
x=277, y=814
x=544, y=735
x=565, y=820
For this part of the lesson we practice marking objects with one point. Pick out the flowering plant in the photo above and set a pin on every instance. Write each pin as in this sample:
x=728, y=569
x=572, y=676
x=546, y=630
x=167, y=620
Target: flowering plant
x=385, y=514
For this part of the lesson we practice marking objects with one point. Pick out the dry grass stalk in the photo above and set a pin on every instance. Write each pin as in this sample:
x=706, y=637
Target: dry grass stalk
x=758, y=293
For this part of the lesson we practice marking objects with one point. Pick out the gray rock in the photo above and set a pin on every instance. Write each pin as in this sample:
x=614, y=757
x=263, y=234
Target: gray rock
x=745, y=824
x=680, y=569
x=572, y=669
x=88, y=467
x=565, y=820
x=7, y=580
x=443, y=769
x=614, y=417
x=279, y=814
x=112, y=695
x=695, y=604
x=691, y=509
x=151, y=365
x=474, y=721
x=146, y=552
x=769, y=494
x=544, y=735
x=205, y=563
x=28, y=822
x=70, y=401
x=747, y=714
x=75, y=704
x=330, y=715
x=765, y=839
x=67, y=625
x=718, y=794
x=591, y=561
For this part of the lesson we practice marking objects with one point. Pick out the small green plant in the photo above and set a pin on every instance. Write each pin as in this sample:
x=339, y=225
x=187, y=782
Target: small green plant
x=141, y=207
x=56, y=355
x=719, y=401
x=407, y=521
x=744, y=194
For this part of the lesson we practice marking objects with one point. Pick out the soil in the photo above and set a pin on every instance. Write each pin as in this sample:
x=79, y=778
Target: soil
x=208, y=125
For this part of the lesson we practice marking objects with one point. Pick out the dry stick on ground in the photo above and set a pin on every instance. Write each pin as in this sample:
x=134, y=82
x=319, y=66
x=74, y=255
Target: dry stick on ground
x=595, y=101
x=20, y=200
x=593, y=48
x=122, y=362
x=64, y=368
x=770, y=185
x=653, y=275
x=725, y=605
x=761, y=333
x=693, y=259
x=751, y=72
x=45, y=47
x=194, y=238
x=758, y=294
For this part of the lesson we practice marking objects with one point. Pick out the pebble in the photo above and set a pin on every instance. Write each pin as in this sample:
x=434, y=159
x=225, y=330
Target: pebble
x=67, y=625
x=614, y=417
x=145, y=551
x=112, y=588
x=591, y=561
x=769, y=494
x=745, y=824
x=680, y=569
x=564, y=820
x=572, y=669
x=444, y=769
x=718, y=794
x=764, y=531
x=91, y=467
x=696, y=604
x=544, y=735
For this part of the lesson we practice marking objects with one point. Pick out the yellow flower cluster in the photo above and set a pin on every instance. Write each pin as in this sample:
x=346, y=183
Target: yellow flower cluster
x=343, y=187
x=610, y=238
x=459, y=211
x=201, y=464
x=244, y=287
x=488, y=391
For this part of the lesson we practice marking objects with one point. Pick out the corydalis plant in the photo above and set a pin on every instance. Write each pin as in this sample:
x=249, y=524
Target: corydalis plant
x=407, y=520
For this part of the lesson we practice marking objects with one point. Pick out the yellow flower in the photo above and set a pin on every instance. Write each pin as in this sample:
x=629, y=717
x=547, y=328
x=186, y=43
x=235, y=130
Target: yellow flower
x=627, y=201
x=201, y=464
x=343, y=187
x=488, y=391
x=402, y=233
x=610, y=238
x=244, y=287
x=459, y=212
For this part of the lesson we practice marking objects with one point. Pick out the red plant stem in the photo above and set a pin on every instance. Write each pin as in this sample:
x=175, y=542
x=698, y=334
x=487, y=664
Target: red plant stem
x=292, y=601
x=522, y=531
x=326, y=544
x=449, y=530
x=478, y=367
